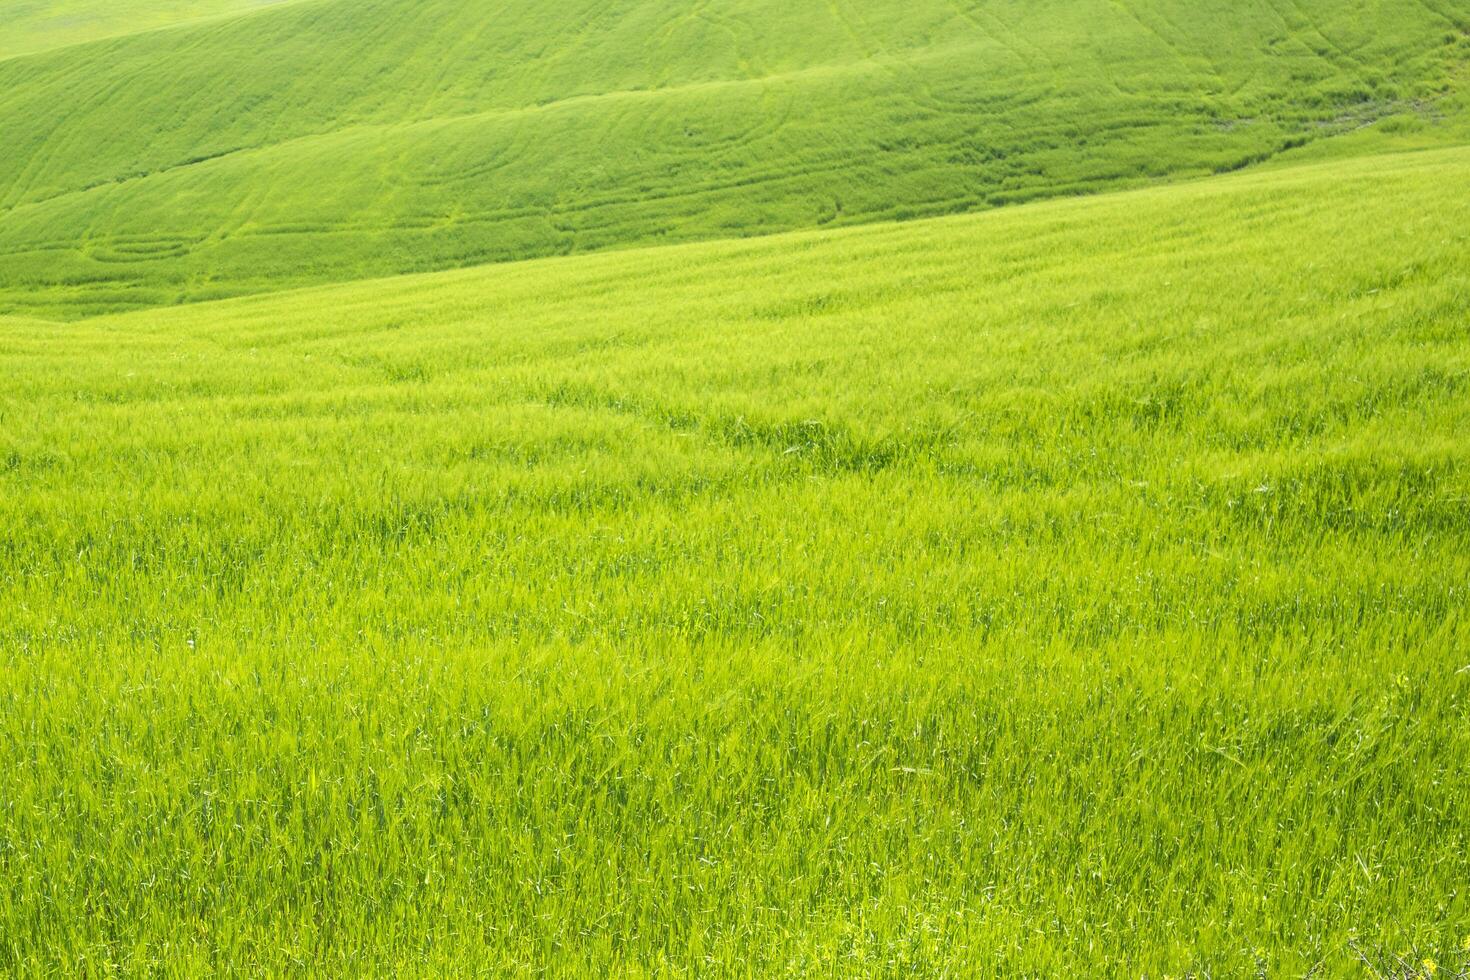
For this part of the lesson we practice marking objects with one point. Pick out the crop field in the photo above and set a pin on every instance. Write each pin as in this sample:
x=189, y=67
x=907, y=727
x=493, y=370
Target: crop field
x=981, y=590
x=727, y=488
x=334, y=139
x=33, y=26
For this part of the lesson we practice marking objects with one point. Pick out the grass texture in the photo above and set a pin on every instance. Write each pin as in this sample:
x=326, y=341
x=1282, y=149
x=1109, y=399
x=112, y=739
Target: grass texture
x=33, y=26
x=320, y=141
x=1076, y=589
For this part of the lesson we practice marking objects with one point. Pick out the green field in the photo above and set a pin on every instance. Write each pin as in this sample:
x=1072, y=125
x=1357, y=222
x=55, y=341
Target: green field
x=33, y=26
x=331, y=139
x=1076, y=588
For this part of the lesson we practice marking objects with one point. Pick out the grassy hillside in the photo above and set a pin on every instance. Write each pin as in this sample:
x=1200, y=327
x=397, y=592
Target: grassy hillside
x=336, y=139
x=42, y=25
x=1076, y=589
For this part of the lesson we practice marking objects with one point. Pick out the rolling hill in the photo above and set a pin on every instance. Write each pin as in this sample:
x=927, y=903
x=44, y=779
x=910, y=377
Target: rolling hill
x=734, y=488
x=334, y=139
x=33, y=26
x=839, y=602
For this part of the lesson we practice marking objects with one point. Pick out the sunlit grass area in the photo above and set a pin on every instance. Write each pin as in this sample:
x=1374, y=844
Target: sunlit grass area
x=35, y=26
x=1073, y=589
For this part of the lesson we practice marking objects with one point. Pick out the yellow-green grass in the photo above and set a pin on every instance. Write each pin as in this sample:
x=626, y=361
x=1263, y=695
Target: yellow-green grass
x=1076, y=589
x=32, y=26
x=336, y=139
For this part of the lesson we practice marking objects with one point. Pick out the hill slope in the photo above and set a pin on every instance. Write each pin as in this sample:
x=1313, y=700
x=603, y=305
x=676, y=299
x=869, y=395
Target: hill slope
x=858, y=602
x=32, y=26
x=336, y=139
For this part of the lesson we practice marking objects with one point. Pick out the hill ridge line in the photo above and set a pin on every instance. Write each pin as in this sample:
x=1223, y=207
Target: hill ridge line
x=265, y=7
x=1295, y=171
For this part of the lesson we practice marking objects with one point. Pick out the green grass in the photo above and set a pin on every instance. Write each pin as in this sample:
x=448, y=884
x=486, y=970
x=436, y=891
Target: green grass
x=319, y=141
x=1071, y=589
x=1076, y=589
x=33, y=26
